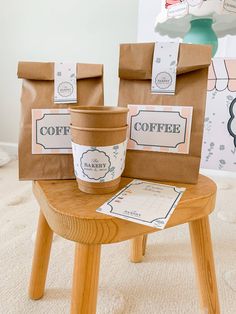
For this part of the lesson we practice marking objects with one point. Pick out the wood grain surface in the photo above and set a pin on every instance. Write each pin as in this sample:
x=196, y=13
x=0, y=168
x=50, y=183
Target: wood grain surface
x=41, y=257
x=204, y=265
x=85, y=278
x=136, y=249
x=72, y=213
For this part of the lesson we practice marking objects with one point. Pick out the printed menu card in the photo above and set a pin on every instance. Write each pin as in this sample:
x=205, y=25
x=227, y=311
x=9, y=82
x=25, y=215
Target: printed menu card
x=143, y=202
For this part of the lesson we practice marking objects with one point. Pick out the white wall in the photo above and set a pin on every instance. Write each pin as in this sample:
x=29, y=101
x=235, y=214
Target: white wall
x=56, y=30
x=148, y=11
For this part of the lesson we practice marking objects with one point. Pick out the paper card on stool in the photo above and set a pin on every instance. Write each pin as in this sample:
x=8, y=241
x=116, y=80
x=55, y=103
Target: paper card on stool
x=143, y=202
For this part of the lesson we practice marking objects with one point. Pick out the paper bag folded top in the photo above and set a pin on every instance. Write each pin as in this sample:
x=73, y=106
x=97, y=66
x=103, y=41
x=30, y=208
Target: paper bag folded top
x=135, y=72
x=40, y=156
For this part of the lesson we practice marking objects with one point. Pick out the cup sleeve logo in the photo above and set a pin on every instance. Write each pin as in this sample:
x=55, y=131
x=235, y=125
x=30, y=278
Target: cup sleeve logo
x=232, y=121
x=99, y=163
x=95, y=164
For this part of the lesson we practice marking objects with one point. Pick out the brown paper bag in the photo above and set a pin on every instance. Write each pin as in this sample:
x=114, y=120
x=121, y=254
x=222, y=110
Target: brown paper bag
x=38, y=93
x=135, y=71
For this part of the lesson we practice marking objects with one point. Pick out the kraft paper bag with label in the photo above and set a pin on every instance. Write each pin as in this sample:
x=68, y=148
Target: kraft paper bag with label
x=151, y=155
x=44, y=143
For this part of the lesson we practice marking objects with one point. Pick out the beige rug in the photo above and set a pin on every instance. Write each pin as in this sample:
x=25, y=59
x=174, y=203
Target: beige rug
x=163, y=284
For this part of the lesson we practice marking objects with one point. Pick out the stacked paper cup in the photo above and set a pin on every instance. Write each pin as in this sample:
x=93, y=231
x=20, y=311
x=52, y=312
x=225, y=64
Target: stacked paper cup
x=99, y=140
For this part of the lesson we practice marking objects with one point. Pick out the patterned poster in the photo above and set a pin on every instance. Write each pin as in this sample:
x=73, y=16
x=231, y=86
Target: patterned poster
x=219, y=143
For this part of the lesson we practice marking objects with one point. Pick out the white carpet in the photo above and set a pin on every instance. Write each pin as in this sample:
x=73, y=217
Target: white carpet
x=163, y=284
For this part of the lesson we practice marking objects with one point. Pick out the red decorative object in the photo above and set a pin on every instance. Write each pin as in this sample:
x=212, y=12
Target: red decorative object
x=171, y=2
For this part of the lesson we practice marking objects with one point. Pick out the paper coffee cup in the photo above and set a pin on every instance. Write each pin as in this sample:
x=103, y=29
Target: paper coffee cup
x=98, y=117
x=99, y=158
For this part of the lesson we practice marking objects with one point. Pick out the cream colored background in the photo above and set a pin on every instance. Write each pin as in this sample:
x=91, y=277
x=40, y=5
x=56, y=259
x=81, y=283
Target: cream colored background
x=72, y=30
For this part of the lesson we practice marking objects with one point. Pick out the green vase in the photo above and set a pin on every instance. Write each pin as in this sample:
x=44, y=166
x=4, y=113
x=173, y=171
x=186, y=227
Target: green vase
x=201, y=32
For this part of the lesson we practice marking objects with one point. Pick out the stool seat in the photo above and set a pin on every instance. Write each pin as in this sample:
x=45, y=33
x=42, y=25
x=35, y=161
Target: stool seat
x=72, y=213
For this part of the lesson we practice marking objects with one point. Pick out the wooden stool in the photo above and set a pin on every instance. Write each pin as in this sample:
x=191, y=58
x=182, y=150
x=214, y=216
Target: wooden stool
x=71, y=214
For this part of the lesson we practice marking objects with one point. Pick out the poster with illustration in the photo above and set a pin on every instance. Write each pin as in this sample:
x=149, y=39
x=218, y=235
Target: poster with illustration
x=219, y=143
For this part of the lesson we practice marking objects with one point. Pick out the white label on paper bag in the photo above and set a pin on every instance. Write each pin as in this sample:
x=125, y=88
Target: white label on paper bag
x=146, y=203
x=160, y=128
x=99, y=164
x=51, y=131
x=164, y=69
x=178, y=9
x=65, y=83
x=230, y=5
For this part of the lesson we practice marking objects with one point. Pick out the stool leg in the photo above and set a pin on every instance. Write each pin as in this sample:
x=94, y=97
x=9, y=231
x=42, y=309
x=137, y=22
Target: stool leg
x=137, y=249
x=204, y=264
x=145, y=238
x=41, y=257
x=85, y=278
